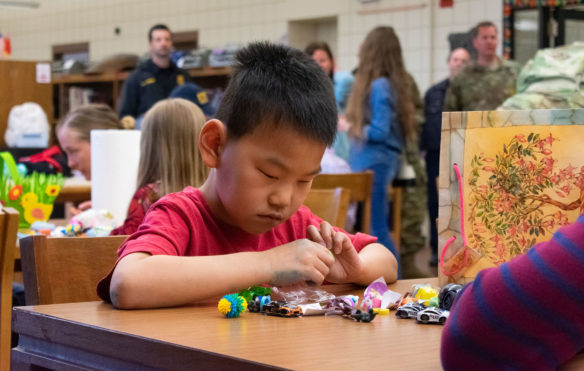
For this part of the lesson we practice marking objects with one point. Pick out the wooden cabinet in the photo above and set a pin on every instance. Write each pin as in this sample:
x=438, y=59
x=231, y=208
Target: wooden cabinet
x=106, y=88
x=18, y=85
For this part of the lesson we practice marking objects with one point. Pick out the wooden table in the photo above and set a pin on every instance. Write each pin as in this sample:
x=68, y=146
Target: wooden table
x=93, y=334
x=74, y=190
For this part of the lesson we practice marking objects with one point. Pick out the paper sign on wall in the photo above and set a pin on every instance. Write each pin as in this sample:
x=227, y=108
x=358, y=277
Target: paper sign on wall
x=43, y=73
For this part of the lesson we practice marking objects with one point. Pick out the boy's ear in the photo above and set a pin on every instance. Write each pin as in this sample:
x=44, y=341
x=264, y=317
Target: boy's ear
x=212, y=141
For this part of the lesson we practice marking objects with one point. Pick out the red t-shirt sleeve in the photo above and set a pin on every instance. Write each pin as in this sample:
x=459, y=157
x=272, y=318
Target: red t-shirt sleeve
x=164, y=231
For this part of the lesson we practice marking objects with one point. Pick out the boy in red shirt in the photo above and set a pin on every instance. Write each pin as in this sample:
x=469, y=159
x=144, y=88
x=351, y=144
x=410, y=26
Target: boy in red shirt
x=246, y=225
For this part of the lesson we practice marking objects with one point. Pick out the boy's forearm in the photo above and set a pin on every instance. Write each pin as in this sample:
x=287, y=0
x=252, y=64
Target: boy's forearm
x=144, y=281
x=377, y=261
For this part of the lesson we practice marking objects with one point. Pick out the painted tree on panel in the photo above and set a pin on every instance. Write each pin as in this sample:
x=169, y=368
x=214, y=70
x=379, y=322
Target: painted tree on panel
x=506, y=208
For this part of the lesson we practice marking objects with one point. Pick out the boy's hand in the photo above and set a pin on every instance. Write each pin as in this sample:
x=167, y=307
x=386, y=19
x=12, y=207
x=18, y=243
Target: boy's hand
x=347, y=265
x=297, y=261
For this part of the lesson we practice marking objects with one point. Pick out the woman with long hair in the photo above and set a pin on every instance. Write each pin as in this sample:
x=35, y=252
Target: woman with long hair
x=381, y=114
x=169, y=157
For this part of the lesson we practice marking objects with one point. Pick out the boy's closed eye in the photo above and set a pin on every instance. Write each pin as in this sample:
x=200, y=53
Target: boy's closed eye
x=267, y=175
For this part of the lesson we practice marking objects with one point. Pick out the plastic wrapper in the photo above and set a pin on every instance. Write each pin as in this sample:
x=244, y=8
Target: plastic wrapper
x=377, y=295
x=301, y=294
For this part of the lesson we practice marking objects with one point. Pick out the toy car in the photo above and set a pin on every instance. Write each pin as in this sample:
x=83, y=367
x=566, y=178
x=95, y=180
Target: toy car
x=432, y=315
x=448, y=294
x=258, y=302
x=409, y=310
x=363, y=316
x=282, y=309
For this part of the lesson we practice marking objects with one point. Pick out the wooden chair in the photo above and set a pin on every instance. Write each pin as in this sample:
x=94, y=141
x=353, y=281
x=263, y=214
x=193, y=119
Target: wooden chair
x=360, y=185
x=329, y=204
x=65, y=270
x=8, y=230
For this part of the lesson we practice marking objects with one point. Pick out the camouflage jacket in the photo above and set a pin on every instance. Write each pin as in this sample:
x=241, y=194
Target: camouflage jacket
x=478, y=88
x=552, y=79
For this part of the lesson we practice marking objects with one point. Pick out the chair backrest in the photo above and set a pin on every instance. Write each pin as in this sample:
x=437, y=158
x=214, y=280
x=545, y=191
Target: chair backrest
x=65, y=270
x=8, y=230
x=360, y=185
x=329, y=204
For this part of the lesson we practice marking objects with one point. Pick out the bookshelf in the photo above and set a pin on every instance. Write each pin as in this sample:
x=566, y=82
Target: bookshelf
x=107, y=87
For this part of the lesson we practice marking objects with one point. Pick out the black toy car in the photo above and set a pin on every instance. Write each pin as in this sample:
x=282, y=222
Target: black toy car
x=282, y=309
x=258, y=303
x=409, y=310
x=448, y=294
x=363, y=316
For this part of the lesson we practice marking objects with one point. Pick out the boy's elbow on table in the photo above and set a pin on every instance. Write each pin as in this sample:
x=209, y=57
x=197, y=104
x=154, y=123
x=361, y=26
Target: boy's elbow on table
x=125, y=290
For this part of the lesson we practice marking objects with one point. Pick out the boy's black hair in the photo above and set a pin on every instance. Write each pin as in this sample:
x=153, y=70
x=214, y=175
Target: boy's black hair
x=158, y=26
x=278, y=85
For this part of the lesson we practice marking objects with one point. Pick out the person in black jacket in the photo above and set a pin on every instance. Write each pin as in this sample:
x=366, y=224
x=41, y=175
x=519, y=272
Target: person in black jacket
x=154, y=79
x=430, y=141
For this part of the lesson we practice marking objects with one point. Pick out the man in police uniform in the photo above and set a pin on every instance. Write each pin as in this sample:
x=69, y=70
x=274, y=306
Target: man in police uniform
x=154, y=79
x=486, y=82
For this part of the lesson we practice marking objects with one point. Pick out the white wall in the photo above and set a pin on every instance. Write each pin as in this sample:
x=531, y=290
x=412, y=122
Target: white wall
x=421, y=25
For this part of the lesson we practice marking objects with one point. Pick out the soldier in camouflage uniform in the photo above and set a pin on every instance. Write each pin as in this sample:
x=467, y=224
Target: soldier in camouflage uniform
x=414, y=197
x=486, y=82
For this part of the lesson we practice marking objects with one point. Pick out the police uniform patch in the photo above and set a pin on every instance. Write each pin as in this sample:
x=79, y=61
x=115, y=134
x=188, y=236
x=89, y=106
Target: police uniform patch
x=180, y=79
x=202, y=97
x=148, y=81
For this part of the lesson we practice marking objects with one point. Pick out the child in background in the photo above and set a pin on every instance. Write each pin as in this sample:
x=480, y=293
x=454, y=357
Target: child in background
x=169, y=157
x=342, y=81
x=246, y=225
x=74, y=135
x=526, y=314
x=381, y=113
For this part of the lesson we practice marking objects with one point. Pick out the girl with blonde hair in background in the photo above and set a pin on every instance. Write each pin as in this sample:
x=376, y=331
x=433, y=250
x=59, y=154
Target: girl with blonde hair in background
x=169, y=157
x=74, y=135
x=381, y=112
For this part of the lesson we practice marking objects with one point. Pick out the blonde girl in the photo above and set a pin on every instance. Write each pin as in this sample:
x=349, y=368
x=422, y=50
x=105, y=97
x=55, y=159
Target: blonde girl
x=169, y=156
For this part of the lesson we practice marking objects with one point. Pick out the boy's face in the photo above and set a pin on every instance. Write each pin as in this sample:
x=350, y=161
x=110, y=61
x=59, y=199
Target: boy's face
x=264, y=177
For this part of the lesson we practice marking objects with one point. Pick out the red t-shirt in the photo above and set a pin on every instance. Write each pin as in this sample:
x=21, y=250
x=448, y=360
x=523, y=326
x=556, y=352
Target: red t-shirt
x=182, y=224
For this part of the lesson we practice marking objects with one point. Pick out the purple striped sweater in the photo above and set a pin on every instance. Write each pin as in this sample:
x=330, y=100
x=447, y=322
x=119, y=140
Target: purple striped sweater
x=526, y=314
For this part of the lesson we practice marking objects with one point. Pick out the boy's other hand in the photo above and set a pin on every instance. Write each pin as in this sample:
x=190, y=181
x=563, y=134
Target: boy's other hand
x=297, y=261
x=347, y=264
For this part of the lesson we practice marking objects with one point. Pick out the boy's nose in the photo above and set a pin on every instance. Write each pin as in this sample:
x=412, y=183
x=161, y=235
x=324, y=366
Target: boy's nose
x=281, y=197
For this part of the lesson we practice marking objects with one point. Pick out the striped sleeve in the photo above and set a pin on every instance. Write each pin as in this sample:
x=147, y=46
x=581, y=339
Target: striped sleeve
x=525, y=314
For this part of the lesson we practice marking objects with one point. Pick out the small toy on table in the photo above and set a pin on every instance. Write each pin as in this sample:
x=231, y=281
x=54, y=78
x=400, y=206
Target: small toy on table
x=281, y=309
x=432, y=315
x=253, y=291
x=232, y=305
x=448, y=294
x=258, y=303
x=424, y=294
x=377, y=295
x=94, y=223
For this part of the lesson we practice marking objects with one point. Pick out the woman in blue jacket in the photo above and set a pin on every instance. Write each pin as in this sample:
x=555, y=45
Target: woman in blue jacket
x=382, y=116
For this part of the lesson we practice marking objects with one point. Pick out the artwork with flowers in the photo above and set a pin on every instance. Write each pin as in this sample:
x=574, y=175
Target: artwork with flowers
x=520, y=193
x=522, y=179
x=31, y=195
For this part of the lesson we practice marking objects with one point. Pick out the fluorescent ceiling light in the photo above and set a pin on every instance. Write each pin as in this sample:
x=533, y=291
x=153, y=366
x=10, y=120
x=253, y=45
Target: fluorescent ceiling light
x=20, y=4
